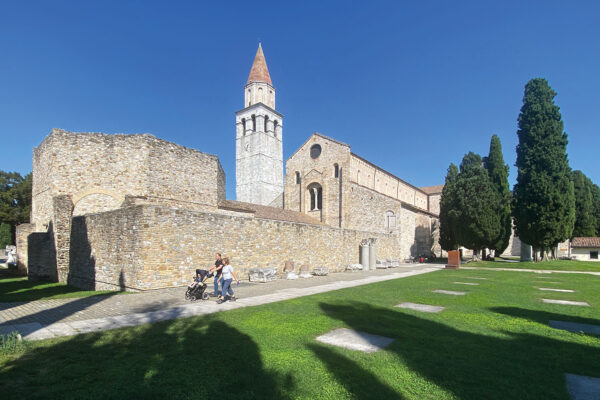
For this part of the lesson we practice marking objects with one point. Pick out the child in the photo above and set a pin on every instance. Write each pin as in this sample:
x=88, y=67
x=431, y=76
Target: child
x=199, y=277
x=227, y=275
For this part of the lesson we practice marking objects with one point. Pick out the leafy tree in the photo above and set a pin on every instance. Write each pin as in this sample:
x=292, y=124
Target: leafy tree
x=585, y=220
x=5, y=235
x=544, y=202
x=448, y=239
x=478, y=222
x=15, y=199
x=498, y=173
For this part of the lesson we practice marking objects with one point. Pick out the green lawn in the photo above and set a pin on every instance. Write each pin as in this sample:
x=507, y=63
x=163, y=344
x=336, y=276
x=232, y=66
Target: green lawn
x=21, y=289
x=559, y=265
x=493, y=343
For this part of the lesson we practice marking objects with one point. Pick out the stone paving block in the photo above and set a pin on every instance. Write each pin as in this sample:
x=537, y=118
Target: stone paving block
x=466, y=283
x=452, y=292
x=557, y=290
x=475, y=277
x=566, y=302
x=61, y=329
x=575, y=327
x=355, y=340
x=583, y=387
x=421, y=307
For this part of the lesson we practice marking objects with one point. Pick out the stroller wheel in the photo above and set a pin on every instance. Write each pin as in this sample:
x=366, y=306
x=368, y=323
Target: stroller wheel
x=187, y=294
x=205, y=296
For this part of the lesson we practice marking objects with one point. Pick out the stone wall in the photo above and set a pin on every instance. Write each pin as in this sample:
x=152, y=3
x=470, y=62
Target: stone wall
x=21, y=234
x=150, y=246
x=99, y=170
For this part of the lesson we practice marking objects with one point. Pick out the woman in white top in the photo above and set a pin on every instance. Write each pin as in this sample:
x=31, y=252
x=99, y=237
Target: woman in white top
x=227, y=275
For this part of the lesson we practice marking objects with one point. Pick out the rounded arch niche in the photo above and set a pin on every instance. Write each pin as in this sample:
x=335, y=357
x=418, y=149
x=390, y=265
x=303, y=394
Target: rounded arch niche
x=96, y=201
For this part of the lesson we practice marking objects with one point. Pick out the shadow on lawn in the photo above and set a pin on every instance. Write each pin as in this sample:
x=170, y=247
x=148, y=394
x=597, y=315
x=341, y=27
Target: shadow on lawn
x=471, y=365
x=189, y=358
x=22, y=290
x=542, y=316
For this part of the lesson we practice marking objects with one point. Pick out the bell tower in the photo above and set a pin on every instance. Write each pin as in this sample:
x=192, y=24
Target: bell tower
x=258, y=143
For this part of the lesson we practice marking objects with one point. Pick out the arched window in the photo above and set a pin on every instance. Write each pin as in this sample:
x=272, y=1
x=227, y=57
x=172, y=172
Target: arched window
x=358, y=176
x=266, y=120
x=336, y=170
x=244, y=126
x=297, y=177
x=275, y=128
x=390, y=220
x=253, y=123
x=316, y=196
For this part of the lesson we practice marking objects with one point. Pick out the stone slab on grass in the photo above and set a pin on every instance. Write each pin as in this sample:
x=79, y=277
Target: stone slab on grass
x=583, y=387
x=557, y=290
x=566, y=302
x=452, y=292
x=466, y=283
x=575, y=327
x=421, y=307
x=475, y=277
x=355, y=340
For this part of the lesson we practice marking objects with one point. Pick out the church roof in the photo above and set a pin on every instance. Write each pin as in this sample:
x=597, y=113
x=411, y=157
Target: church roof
x=585, y=242
x=259, y=71
x=437, y=189
x=268, y=212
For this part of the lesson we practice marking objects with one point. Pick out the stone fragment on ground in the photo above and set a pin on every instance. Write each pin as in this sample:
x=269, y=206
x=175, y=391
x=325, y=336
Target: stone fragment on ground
x=583, y=387
x=355, y=340
x=421, y=307
x=321, y=271
x=557, y=290
x=575, y=327
x=354, y=267
x=566, y=302
x=466, y=283
x=262, y=274
x=452, y=292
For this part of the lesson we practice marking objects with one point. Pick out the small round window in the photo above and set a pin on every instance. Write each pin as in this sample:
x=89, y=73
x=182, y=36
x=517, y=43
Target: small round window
x=315, y=151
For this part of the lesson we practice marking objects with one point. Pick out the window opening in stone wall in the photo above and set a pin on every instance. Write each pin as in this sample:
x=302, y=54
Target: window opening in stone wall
x=593, y=255
x=253, y=123
x=298, y=178
x=336, y=170
x=244, y=126
x=275, y=128
x=249, y=99
x=358, y=176
x=315, y=151
x=390, y=220
x=316, y=197
x=266, y=120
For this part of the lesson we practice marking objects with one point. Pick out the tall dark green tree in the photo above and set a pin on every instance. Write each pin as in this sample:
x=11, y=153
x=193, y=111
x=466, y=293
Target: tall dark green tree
x=448, y=239
x=478, y=222
x=498, y=173
x=15, y=199
x=596, y=207
x=585, y=221
x=544, y=201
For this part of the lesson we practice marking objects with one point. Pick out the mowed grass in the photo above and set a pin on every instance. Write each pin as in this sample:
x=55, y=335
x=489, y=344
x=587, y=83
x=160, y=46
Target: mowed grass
x=559, y=265
x=22, y=289
x=493, y=343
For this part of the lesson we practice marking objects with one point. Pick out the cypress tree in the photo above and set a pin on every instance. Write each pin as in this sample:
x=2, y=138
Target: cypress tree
x=478, y=222
x=544, y=202
x=584, y=212
x=447, y=238
x=5, y=235
x=498, y=172
x=596, y=206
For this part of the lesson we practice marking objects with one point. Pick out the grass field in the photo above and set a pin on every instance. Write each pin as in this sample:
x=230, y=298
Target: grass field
x=493, y=343
x=559, y=265
x=21, y=289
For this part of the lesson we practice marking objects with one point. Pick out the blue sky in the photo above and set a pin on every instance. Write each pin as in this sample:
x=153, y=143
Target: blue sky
x=411, y=86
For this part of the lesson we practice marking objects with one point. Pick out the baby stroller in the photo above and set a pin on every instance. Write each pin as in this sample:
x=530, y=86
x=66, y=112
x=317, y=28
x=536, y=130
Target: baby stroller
x=198, y=291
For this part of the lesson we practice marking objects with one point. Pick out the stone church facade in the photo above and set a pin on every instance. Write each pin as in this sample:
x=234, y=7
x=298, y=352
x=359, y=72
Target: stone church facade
x=136, y=212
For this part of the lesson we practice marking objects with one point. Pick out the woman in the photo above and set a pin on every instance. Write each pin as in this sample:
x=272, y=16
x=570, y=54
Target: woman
x=227, y=275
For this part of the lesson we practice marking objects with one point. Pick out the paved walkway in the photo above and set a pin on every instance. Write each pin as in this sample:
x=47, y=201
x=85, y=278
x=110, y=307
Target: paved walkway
x=44, y=319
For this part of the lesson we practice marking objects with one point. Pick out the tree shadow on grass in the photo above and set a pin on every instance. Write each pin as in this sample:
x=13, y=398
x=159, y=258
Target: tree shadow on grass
x=189, y=358
x=361, y=383
x=23, y=290
x=472, y=365
x=542, y=316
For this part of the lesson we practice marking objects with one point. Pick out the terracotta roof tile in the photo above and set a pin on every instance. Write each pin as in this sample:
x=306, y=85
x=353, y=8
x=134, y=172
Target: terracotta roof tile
x=268, y=212
x=585, y=242
x=259, y=71
x=432, y=189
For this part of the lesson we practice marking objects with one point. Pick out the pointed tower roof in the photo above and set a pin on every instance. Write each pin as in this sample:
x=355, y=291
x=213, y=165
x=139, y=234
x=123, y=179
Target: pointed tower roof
x=259, y=71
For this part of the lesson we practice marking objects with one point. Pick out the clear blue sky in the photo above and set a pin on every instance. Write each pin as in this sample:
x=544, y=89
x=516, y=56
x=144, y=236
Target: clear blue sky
x=411, y=86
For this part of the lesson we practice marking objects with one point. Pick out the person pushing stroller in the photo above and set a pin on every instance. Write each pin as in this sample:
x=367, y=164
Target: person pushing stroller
x=216, y=270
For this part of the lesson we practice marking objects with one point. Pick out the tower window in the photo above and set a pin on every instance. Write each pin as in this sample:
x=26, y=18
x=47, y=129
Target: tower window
x=244, y=126
x=315, y=151
x=266, y=120
x=336, y=170
x=275, y=128
x=253, y=123
x=298, y=178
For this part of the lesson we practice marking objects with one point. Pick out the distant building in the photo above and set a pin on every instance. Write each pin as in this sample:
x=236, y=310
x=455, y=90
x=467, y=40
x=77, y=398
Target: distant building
x=585, y=248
